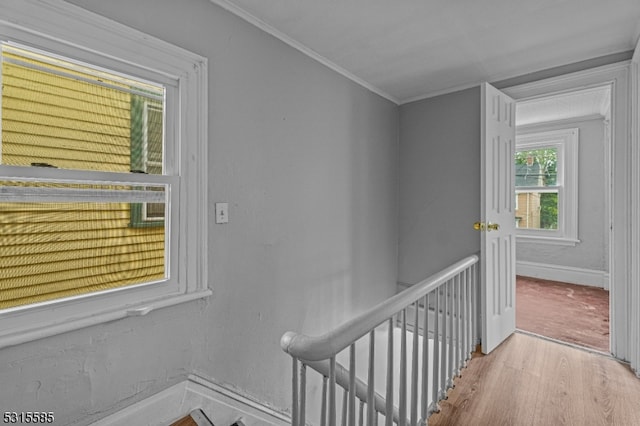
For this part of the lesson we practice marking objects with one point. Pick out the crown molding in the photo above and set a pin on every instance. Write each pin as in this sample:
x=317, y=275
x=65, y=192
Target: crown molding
x=561, y=122
x=549, y=86
x=436, y=93
x=243, y=14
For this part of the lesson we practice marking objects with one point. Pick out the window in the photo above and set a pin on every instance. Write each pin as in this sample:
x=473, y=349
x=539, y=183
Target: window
x=546, y=186
x=146, y=115
x=103, y=148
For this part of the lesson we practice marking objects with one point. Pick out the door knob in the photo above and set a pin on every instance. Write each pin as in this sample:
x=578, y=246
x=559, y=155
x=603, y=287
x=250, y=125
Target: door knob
x=492, y=227
x=481, y=226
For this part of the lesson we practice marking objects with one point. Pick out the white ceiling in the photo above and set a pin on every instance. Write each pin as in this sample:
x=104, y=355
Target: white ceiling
x=410, y=49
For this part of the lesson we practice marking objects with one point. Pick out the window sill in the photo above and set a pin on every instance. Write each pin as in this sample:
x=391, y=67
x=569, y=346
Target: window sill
x=39, y=331
x=559, y=241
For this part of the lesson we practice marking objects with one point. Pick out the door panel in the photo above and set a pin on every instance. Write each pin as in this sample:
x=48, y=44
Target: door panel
x=497, y=213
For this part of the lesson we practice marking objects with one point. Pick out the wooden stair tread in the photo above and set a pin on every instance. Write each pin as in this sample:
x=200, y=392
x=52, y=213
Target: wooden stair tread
x=195, y=418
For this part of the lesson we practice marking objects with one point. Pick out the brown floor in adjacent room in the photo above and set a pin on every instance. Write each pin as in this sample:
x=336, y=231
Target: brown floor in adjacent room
x=535, y=382
x=570, y=313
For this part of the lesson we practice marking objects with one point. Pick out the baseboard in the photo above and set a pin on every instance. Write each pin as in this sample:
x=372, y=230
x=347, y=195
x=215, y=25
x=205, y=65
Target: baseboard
x=222, y=405
x=568, y=274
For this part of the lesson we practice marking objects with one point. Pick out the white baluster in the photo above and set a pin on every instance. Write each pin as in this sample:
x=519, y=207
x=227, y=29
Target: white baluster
x=345, y=406
x=458, y=322
x=465, y=316
x=371, y=404
x=323, y=409
x=402, y=408
x=450, y=367
x=294, y=393
x=332, y=391
x=454, y=332
x=303, y=394
x=352, y=385
x=472, y=310
x=389, y=394
x=436, y=349
x=443, y=347
x=425, y=360
x=415, y=374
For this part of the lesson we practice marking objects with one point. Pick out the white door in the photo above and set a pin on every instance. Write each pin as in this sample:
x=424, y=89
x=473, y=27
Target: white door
x=497, y=218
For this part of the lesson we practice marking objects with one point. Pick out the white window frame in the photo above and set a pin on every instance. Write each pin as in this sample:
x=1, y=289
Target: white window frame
x=566, y=142
x=70, y=31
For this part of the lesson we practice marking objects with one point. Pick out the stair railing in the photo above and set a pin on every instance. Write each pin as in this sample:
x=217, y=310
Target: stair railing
x=443, y=333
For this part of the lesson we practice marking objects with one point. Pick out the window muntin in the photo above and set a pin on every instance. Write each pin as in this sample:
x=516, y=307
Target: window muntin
x=60, y=114
x=546, y=185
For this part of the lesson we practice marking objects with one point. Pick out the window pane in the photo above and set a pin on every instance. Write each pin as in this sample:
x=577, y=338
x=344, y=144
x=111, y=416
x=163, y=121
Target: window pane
x=55, y=249
x=537, y=167
x=72, y=116
x=537, y=210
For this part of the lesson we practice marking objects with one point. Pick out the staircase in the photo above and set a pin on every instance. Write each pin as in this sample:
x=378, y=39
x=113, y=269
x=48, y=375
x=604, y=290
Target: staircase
x=198, y=418
x=395, y=362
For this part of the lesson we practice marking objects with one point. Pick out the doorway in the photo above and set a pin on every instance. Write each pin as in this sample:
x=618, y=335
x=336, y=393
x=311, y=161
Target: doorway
x=563, y=205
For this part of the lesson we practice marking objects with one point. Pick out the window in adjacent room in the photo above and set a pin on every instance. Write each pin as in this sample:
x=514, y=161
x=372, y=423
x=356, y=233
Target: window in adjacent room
x=546, y=185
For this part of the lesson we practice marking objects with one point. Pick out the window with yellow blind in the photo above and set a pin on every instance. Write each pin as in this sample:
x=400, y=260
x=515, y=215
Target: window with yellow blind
x=91, y=178
x=59, y=238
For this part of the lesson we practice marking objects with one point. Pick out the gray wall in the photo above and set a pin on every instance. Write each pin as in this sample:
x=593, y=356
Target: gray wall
x=308, y=162
x=593, y=250
x=439, y=183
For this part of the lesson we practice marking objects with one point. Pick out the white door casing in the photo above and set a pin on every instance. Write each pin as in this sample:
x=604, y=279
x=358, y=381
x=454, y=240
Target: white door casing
x=497, y=216
x=634, y=327
x=624, y=211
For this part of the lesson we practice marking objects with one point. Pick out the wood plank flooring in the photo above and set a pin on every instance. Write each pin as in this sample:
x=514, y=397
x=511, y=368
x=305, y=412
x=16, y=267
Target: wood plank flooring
x=535, y=382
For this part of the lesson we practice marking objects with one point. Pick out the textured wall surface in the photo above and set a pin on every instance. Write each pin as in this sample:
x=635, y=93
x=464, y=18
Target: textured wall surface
x=308, y=162
x=439, y=183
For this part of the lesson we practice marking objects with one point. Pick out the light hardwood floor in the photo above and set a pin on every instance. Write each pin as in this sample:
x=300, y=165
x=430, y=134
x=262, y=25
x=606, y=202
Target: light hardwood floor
x=535, y=382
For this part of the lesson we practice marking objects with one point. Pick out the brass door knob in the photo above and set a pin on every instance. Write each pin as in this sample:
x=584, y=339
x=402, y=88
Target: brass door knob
x=481, y=226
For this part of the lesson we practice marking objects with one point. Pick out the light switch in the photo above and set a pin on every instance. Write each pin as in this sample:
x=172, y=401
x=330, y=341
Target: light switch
x=222, y=212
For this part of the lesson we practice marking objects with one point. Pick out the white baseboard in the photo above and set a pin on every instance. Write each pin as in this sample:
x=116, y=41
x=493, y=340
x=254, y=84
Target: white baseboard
x=567, y=274
x=223, y=406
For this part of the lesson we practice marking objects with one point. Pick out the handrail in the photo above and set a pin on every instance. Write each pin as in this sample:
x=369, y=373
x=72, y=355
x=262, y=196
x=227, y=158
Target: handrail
x=449, y=324
x=317, y=348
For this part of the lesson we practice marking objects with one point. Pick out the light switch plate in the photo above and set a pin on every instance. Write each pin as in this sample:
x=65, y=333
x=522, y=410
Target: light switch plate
x=222, y=212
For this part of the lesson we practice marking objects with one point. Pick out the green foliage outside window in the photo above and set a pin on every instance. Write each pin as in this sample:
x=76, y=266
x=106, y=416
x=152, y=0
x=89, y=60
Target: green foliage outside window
x=549, y=210
x=538, y=168
x=544, y=161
